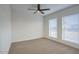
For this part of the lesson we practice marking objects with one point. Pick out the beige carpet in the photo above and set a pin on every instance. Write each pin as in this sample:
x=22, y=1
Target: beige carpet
x=41, y=46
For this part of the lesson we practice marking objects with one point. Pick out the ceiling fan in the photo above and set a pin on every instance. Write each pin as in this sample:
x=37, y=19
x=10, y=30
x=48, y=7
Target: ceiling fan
x=39, y=9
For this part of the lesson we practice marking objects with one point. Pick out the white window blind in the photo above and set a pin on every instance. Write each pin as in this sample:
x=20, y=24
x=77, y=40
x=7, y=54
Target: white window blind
x=53, y=28
x=70, y=28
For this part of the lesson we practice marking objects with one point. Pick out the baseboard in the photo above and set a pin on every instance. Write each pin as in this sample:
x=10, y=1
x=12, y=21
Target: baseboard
x=29, y=39
x=58, y=41
x=76, y=46
x=3, y=52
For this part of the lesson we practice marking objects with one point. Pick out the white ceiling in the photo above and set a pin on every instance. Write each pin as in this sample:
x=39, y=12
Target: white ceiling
x=53, y=7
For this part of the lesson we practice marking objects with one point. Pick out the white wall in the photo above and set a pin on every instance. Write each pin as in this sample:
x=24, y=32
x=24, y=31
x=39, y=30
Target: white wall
x=58, y=15
x=26, y=26
x=5, y=28
x=18, y=26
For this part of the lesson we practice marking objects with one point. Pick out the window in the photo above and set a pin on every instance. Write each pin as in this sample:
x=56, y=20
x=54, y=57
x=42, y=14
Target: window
x=70, y=28
x=53, y=28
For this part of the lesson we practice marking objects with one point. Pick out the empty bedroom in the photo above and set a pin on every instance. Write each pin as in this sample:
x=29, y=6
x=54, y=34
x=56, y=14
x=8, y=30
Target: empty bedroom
x=39, y=29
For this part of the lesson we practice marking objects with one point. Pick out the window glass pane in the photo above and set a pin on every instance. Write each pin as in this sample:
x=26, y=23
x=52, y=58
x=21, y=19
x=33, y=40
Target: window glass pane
x=70, y=26
x=53, y=28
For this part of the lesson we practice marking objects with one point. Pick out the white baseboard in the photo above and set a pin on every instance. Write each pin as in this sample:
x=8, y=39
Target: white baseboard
x=66, y=43
x=27, y=39
x=3, y=52
x=59, y=41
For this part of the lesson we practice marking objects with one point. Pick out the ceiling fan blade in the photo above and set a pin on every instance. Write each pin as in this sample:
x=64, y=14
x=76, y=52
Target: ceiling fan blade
x=42, y=12
x=38, y=6
x=31, y=9
x=35, y=12
x=44, y=9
